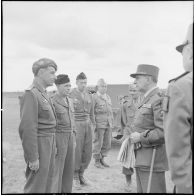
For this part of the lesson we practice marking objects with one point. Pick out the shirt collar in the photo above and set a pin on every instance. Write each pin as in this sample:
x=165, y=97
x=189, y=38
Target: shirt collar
x=150, y=90
x=38, y=86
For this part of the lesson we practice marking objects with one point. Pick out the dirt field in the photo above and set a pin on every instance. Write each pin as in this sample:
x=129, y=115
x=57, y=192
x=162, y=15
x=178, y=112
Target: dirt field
x=102, y=180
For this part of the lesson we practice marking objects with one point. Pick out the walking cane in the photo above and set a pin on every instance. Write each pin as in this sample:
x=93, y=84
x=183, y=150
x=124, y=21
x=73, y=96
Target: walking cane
x=151, y=170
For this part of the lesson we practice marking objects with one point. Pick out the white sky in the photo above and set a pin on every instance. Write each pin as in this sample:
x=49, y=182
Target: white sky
x=102, y=39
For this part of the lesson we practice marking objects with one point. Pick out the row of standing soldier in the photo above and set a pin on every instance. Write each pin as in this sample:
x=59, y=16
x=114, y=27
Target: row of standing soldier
x=57, y=132
x=52, y=130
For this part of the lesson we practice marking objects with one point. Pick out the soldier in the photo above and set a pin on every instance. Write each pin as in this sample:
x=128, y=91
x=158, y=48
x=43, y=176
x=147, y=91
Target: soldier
x=84, y=122
x=65, y=135
x=147, y=131
x=128, y=110
x=104, y=124
x=37, y=129
x=178, y=120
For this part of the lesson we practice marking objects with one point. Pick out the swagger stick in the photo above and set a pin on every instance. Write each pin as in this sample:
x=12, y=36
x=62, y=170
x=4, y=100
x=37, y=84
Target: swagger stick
x=151, y=170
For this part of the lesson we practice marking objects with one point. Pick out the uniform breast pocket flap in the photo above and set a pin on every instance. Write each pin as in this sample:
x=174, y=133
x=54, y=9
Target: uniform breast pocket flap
x=45, y=107
x=146, y=109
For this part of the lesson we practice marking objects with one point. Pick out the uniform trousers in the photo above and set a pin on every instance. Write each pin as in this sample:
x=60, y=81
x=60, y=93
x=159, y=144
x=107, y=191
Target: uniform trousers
x=83, y=151
x=158, y=184
x=101, y=142
x=42, y=181
x=64, y=163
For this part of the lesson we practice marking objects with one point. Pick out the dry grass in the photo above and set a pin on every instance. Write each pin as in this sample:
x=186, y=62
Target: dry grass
x=103, y=180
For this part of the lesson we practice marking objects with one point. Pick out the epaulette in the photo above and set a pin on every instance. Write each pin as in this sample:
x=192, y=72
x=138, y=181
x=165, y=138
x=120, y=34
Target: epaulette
x=175, y=79
x=125, y=101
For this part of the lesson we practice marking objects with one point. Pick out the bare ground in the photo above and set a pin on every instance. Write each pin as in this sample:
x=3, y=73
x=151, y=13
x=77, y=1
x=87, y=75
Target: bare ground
x=102, y=180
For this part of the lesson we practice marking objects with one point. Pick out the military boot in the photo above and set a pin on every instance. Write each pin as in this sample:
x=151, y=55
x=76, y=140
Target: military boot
x=98, y=164
x=103, y=162
x=76, y=181
x=84, y=181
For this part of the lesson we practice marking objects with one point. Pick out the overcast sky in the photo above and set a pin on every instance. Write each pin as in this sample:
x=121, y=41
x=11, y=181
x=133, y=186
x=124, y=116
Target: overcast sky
x=102, y=39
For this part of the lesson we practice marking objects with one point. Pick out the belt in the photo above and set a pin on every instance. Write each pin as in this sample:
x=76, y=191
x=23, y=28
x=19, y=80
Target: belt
x=43, y=133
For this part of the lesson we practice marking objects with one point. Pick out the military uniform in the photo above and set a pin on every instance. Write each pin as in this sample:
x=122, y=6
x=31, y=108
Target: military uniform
x=65, y=141
x=104, y=123
x=37, y=132
x=149, y=122
x=178, y=124
x=128, y=110
x=84, y=117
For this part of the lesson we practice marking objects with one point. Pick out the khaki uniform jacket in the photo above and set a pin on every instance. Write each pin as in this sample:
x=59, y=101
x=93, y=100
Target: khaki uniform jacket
x=103, y=112
x=37, y=118
x=83, y=107
x=178, y=124
x=149, y=122
x=64, y=111
x=128, y=111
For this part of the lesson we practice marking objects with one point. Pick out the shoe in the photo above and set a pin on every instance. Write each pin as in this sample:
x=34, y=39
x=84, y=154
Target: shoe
x=76, y=181
x=83, y=181
x=104, y=163
x=98, y=164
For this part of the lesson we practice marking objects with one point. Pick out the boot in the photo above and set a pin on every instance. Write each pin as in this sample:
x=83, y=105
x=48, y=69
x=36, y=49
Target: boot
x=98, y=164
x=103, y=162
x=84, y=181
x=76, y=181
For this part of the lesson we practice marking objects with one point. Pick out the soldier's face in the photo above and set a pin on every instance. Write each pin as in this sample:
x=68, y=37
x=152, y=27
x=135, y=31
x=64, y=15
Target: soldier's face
x=48, y=75
x=64, y=89
x=81, y=84
x=141, y=83
x=133, y=91
x=102, y=88
x=187, y=54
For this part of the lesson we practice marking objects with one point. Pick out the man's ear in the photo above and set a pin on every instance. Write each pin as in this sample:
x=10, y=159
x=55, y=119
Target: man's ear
x=40, y=72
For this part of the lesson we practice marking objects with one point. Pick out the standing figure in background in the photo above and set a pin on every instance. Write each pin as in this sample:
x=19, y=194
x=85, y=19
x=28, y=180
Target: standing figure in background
x=37, y=129
x=147, y=132
x=65, y=135
x=178, y=120
x=85, y=123
x=104, y=124
x=128, y=110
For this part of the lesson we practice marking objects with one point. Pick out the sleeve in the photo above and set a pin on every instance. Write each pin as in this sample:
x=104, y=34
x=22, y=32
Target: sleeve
x=178, y=139
x=155, y=136
x=92, y=114
x=28, y=126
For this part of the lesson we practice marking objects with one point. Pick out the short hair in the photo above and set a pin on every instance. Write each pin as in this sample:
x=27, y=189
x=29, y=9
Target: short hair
x=100, y=81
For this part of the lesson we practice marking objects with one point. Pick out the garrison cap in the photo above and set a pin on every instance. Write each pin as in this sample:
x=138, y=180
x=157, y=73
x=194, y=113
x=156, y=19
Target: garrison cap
x=146, y=69
x=81, y=76
x=62, y=79
x=43, y=63
x=188, y=39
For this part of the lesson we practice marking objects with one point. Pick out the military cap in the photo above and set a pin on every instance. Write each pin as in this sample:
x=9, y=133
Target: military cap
x=188, y=39
x=43, y=63
x=146, y=69
x=62, y=79
x=81, y=76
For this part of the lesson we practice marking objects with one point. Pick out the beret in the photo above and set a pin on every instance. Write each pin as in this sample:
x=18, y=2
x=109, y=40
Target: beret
x=43, y=63
x=81, y=76
x=61, y=79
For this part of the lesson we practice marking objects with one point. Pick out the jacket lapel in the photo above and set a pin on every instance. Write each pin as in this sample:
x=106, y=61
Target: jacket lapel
x=61, y=101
